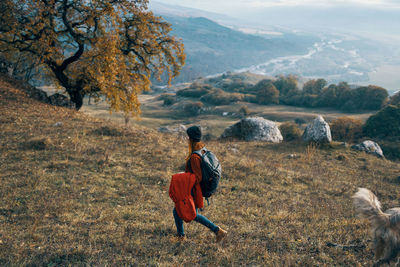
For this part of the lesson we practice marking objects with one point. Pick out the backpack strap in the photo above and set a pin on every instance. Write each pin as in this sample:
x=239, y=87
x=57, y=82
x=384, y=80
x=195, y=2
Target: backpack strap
x=198, y=152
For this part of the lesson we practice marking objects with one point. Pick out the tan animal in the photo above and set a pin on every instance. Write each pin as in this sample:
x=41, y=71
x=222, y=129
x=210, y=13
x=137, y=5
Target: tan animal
x=385, y=226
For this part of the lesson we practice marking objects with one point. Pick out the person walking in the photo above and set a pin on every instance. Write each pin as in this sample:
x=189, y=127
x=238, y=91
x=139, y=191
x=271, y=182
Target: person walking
x=193, y=165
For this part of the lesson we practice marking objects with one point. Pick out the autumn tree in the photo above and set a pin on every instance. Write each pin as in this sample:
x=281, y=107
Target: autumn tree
x=105, y=48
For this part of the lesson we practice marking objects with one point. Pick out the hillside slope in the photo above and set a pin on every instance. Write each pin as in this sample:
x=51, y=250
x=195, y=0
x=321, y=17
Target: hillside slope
x=80, y=191
x=212, y=48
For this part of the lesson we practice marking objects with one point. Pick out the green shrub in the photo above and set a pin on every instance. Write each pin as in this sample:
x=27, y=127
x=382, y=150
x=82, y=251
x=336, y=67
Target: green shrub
x=286, y=84
x=346, y=129
x=290, y=131
x=195, y=90
x=385, y=123
x=168, y=99
x=193, y=109
x=237, y=86
x=219, y=97
x=250, y=98
x=314, y=87
x=266, y=92
x=369, y=97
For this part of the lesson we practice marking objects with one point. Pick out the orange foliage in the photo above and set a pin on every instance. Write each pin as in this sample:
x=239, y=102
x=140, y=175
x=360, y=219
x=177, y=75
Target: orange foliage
x=95, y=47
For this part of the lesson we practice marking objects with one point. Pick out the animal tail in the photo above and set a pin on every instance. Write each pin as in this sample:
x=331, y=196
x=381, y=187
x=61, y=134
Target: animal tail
x=368, y=206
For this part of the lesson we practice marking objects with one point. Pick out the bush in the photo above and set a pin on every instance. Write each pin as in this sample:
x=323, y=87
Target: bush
x=385, y=123
x=266, y=92
x=290, y=131
x=195, y=90
x=237, y=86
x=286, y=85
x=219, y=97
x=168, y=99
x=314, y=87
x=250, y=98
x=193, y=109
x=370, y=97
x=346, y=129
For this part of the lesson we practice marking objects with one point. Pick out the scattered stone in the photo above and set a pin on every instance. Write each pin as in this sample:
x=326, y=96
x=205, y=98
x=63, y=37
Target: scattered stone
x=369, y=147
x=254, y=129
x=318, y=131
x=345, y=145
x=235, y=150
x=58, y=124
x=181, y=129
x=60, y=100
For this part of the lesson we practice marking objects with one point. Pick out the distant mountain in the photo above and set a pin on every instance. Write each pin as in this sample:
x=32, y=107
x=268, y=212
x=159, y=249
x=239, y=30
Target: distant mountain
x=212, y=48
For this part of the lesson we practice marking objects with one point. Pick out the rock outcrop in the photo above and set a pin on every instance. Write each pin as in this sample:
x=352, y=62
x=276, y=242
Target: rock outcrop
x=254, y=129
x=60, y=100
x=369, y=147
x=318, y=131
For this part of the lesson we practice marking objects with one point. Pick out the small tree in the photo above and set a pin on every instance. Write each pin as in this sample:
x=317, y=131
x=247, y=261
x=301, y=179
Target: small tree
x=385, y=123
x=96, y=47
x=267, y=92
x=370, y=97
x=286, y=84
x=244, y=111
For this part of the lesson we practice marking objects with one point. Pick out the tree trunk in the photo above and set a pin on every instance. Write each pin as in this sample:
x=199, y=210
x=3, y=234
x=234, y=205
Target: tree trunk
x=77, y=95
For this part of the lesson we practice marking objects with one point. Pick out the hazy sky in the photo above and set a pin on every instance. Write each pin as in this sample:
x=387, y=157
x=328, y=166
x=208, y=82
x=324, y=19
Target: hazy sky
x=228, y=6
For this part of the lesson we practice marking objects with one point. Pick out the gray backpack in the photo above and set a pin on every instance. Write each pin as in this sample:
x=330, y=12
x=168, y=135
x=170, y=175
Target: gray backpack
x=210, y=171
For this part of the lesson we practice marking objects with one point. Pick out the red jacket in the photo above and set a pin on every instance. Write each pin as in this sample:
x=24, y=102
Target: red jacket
x=195, y=162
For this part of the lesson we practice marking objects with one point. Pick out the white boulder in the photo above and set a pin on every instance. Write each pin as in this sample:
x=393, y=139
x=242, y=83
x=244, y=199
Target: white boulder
x=369, y=147
x=254, y=129
x=318, y=131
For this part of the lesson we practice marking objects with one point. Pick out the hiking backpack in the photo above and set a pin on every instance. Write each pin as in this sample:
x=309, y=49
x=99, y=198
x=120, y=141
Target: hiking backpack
x=210, y=171
x=180, y=192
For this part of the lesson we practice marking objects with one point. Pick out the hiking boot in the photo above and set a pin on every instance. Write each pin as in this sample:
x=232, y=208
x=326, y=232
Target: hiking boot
x=181, y=238
x=220, y=234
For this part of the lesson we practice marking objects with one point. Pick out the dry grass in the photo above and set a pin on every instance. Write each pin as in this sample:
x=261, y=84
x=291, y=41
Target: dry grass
x=92, y=193
x=154, y=114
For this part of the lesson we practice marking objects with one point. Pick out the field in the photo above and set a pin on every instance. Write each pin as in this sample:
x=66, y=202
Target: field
x=154, y=114
x=78, y=190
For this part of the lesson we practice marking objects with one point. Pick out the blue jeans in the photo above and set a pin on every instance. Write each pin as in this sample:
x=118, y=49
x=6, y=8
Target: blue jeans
x=199, y=218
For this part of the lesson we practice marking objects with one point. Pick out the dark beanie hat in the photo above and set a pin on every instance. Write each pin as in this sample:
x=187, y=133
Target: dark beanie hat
x=194, y=133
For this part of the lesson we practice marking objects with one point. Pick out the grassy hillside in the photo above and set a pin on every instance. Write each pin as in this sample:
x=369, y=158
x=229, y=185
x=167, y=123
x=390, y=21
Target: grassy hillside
x=89, y=192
